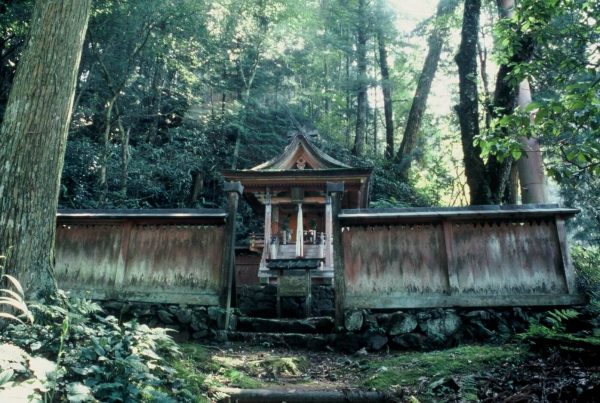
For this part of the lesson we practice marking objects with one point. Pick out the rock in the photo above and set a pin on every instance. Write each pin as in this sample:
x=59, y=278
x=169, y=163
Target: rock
x=504, y=330
x=214, y=312
x=521, y=314
x=184, y=315
x=440, y=329
x=376, y=342
x=479, y=331
x=479, y=314
x=423, y=317
x=401, y=323
x=383, y=319
x=370, y=321
x=409, y=341
x=198, y=325
x=165, y=317
x=353, y=320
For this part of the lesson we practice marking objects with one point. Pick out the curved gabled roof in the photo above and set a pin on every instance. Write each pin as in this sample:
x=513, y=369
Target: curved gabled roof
x=300, y=148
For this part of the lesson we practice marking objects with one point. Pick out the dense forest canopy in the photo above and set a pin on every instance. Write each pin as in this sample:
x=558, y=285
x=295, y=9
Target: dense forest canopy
x=169, y=93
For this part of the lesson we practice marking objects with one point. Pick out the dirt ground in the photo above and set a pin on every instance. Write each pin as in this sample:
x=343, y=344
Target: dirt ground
x=509, y=372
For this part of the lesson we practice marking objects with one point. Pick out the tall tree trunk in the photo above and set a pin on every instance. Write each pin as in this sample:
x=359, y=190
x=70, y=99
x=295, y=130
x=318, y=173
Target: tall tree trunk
x=33, y=139
x=468, y=107
x=417, y=109
x=386, y=88
x=361, y=85
x=506, y=97
x=530, y=165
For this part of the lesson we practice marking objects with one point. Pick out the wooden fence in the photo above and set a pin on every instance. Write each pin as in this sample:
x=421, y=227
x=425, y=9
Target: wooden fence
x=173, y=256
x=441, y=257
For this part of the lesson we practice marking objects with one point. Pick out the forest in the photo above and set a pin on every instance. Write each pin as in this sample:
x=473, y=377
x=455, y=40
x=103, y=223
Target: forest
x=452, y=103
x=169, y=93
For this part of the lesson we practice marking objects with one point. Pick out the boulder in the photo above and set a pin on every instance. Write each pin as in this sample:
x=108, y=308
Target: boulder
x=401, y=323
x=412, y=341
x=439, y=329
x=165, y=317
x=353, y=320
x=376, y=342
x=184, y=315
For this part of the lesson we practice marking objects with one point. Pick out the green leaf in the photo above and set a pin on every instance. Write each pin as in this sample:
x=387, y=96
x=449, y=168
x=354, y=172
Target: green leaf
x=516, y=154
x=6, y=376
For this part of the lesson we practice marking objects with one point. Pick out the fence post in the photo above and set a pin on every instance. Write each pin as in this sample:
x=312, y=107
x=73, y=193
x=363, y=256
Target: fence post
x=234, y=191
x=336, y=190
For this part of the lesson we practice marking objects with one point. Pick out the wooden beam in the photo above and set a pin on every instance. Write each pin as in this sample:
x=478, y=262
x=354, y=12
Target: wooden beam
x=405, y=301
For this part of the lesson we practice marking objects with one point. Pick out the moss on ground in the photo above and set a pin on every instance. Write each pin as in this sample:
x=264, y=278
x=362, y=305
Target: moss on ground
x=414, y=367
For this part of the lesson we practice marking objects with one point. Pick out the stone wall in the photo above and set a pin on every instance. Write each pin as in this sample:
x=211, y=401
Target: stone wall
x=426, y=329
x=260, y=301
x=188, y=322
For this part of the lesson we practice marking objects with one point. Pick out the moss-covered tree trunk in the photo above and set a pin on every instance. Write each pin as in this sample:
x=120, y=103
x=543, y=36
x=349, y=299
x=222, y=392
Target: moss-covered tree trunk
x=468, y=107
x=33, y=138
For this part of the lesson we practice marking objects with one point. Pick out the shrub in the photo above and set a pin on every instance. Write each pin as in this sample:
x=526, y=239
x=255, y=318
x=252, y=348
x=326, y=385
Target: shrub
x=73, y=352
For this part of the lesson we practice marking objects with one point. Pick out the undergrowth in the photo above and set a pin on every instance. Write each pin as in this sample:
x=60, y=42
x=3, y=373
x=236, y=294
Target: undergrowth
x=73, y=351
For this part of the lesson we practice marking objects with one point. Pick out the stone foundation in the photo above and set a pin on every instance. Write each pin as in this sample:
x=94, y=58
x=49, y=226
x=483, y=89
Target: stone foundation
x=415, y=329
x=427, y=329
x=261, y=301
x=188, y=322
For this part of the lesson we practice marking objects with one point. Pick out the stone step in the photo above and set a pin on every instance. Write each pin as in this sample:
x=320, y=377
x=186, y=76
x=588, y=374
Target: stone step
x=316, y=342
x=313, y=325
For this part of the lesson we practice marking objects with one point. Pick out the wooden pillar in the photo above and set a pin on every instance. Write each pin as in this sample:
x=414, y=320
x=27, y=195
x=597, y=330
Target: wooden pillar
x=234, y=191
x=336, y=190
x=299, y=233
x=267, y=235
x=328, y=234
x=567, y=266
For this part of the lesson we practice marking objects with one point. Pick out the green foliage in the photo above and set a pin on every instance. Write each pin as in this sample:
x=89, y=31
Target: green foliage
x=92, y=357
x=586, y=261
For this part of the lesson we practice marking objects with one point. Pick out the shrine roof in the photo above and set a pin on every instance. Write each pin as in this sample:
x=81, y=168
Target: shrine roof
x=301, y=160
x=301, y=152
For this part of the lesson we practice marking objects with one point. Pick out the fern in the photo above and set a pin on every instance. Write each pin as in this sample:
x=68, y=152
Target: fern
x=558, y=317
x=12, y=299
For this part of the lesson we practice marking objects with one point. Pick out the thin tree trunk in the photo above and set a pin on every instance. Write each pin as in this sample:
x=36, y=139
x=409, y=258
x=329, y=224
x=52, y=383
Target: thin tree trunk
x=419, y=104
x=530, y=165
x=361, y=91
x=386, y=88
x=103, y=179
x=468, y=107
x=33, y=139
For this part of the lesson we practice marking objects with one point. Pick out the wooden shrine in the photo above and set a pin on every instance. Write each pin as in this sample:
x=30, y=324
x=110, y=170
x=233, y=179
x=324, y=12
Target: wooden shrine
x=291, y=189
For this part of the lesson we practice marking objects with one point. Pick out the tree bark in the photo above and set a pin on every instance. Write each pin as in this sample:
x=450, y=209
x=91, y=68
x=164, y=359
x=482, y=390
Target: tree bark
x=506, y=96
x=361, y=90
x=386, y=88
x=468, y=107
x=33, y=139
x=419, y=104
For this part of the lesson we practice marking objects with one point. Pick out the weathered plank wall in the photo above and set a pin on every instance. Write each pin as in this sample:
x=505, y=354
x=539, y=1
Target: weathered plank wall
x=172, y=256
x=492, y=256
